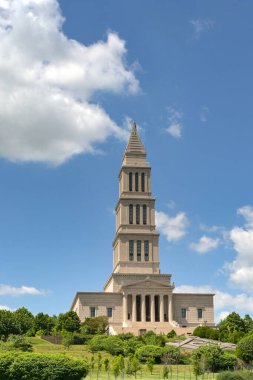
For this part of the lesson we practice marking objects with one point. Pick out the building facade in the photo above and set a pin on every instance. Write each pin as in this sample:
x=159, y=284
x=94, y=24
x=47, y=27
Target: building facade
x=137, y=297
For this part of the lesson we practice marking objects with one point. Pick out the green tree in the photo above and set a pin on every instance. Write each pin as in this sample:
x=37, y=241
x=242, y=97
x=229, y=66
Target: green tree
x=207, y=358
x=233, y=322
x=95, y=325
x=19, y=342
x=135, y=365
x=44, y=323
x=67, y=339
x=68, y=322
x=107, y=365
x=24, y=321
x=244, y=349
x=7, y=324
x=116, y=366
x=248, y=322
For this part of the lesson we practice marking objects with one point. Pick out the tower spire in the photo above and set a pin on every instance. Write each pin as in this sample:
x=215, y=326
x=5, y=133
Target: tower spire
x=135, y=148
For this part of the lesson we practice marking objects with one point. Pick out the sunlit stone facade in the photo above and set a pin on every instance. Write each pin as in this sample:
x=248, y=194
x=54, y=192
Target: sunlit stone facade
x=137, y=297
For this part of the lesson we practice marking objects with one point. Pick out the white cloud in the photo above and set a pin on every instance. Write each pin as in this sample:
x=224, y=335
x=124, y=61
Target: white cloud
x=205, y=244
x=174, y=228
x=175, y=124
x=4, y=307
x=48, y=82
x=201, y=25
x=223, y=302
x=7, y=290
x=241, y=269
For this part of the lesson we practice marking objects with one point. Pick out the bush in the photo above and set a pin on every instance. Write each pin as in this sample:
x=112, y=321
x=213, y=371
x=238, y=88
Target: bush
x=15, y=342
x=171, y=355
x=111, y=344
x=245, y=349
x=41, y=367
x=95, y=325
x=150, y=338
x=149, y=351
x=171, y=334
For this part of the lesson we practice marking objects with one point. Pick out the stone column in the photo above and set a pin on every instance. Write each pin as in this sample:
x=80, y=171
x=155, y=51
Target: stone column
x=124, y=307
x=161, y=309
x=133, y=307
x=152, y=308
x=170, y=308
x=143, y=309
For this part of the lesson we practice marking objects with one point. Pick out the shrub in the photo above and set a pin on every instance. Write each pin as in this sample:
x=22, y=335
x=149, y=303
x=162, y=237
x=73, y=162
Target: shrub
x=111, y=344
x=150, y=338
x=95, y=325
x=131, y=345
x=149, y=351
x=41, y=367
x=245, y=349
x=171, y=355
x=171, y=334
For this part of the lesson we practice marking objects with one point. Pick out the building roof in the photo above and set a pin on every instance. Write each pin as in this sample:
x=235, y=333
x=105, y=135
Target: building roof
x=135, y=145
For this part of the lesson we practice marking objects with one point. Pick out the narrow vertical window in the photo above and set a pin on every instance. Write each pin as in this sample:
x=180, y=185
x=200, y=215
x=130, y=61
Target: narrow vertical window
x=130, y=179
x=136, y=182
x=131, y=250
x=146, y=250
x=138, y=250
x=144, y=209
x=109, y=312
x=183, y=313
x=142, y=181
x=200, y=313
x=137, y=214
x=92, y=312
x=130, y=214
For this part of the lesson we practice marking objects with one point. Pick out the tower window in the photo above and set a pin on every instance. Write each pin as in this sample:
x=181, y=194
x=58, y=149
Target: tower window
x=183, y=313
x=200, y=313
x=131, y=250
x=138, y=250
x=130, y=214
x=130, y=178
x=142, y=181
x=136, y=182
x=137, y=214
x=146, y=250
x=144, y=214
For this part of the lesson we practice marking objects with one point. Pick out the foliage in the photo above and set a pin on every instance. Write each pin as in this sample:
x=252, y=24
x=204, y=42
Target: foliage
x=111, y=344
x=67, y=339
x=133, y=366
x=41, y=367
x=171, y=334
x=131, y=345
x=171, y=355
x=7, y=324
x=165, y=372
x=24, y=321
x=233, y=322
x=68, y=321
x=96, y=325
x=149, y=351
x=211, y=358
x=44, y=324
x=150, y=338
x=245, y=349
x=150, y=364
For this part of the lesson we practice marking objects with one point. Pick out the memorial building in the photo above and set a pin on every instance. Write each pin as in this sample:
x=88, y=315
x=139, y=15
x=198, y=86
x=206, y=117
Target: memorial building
x=137, y=297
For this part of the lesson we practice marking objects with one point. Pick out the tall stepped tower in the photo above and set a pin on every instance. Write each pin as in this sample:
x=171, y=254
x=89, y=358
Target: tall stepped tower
x=137, y=297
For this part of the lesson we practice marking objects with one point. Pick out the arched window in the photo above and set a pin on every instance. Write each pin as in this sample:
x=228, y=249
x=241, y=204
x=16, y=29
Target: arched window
x=137, y=214
x=142, y=181
x=144, y=209
x=138, y=250
x=130, y=214
x=131, y=250
x=130, y=180
x=146, y=250
x=136, y=182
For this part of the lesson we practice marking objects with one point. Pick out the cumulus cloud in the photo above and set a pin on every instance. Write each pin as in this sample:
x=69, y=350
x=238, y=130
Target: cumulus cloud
x=241, y=269
x=201, y=25
x=205, y=244
x=48, y=83
x=224, y=303
x=173, y=228
x=175, y=123
x=7, y=290
x=4, y=307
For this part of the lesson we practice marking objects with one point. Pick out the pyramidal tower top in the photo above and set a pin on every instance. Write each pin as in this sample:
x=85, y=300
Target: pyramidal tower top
x=135, y=153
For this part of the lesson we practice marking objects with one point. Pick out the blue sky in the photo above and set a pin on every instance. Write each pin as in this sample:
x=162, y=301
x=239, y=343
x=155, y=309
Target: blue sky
x=72, y=76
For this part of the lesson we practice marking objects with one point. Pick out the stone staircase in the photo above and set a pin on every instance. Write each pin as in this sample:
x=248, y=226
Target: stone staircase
x=159, y=328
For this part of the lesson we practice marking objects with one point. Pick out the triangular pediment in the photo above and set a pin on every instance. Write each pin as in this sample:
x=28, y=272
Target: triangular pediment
x=147, y=283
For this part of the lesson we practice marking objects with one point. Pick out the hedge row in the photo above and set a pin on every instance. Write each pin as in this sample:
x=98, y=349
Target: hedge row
x=33, y=366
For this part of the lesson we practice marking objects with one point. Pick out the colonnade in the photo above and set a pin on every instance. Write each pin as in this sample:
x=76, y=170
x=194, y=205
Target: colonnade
x=147, y=307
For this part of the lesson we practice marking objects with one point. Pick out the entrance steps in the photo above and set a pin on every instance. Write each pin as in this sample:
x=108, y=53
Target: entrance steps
x=158, y=327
